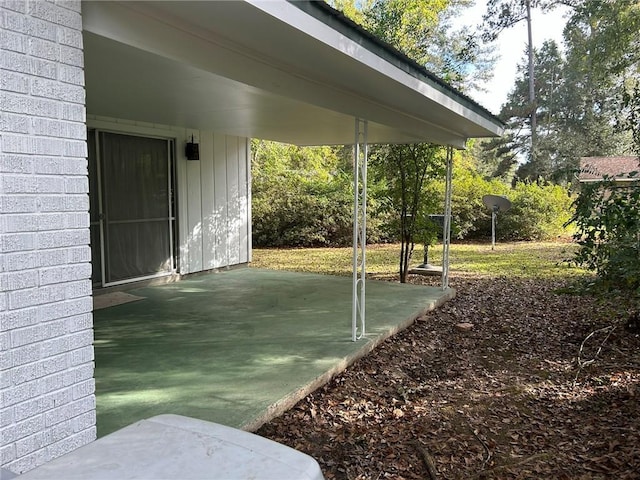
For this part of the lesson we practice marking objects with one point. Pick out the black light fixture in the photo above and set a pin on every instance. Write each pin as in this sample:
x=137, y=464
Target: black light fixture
x=192, y=150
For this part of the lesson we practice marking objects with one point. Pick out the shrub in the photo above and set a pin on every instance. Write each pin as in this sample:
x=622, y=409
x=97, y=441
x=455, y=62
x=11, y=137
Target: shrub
x=290, y=213
x=607, y=218
x=303, y=197
x=471, y=218
x=538, y=212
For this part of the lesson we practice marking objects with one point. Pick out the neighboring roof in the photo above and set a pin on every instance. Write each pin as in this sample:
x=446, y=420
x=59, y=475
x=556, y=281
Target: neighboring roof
x=593, y=169
x=295, y=72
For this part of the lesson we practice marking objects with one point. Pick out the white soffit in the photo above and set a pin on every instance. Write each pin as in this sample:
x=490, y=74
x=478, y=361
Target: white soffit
x=265, y=70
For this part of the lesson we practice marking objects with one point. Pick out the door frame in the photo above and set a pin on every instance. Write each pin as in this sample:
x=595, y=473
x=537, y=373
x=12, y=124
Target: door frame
x=172, y=205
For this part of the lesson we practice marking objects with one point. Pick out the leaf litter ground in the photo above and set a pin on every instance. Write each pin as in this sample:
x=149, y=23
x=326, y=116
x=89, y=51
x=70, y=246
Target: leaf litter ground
x=515, y=398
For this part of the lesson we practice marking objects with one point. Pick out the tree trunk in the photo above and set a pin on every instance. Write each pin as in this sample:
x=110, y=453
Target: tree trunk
x=532, y=91
x=406, y=246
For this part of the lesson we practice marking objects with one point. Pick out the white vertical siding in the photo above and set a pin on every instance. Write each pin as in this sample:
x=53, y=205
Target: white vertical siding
x=182, y=206
x=214, y=194
x=221, y=200
x=194, y=220
x=219, y=232
x=225, y=200
x=233, y=200
x=217, y=197
x=209, y=222
x=244, y=192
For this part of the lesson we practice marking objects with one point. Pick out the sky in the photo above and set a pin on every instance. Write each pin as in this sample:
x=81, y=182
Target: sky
x=511, y=46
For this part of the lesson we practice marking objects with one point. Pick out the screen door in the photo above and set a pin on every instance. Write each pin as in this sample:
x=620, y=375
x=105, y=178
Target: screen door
x=135, y=216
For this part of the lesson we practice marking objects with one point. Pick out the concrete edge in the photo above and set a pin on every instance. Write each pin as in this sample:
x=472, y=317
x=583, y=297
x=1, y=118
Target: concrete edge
x=286, y=403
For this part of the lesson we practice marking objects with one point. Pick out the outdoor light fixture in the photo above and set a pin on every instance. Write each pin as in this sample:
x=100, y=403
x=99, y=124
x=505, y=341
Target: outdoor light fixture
x=192, y=150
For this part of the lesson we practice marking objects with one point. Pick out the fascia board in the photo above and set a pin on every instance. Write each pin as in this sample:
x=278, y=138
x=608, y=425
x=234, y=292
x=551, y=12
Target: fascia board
x=324, y=33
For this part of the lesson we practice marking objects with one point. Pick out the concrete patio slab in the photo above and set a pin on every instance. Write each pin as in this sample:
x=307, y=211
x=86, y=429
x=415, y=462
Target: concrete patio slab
x=238, y=347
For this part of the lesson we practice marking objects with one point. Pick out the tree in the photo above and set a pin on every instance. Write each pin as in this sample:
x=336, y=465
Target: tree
x=577, y=113
x=606, y=34
x=516, y=113
x=405, y=170
x=301, y=196
x=503, y=14
x=408, y=25
x=537, y=211
x=607, y=216
x=587, y=107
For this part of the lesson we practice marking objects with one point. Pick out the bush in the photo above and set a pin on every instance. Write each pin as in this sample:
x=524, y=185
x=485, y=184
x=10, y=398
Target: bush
x=289, y=213
x=303, y=197
x=607, y=218
x=471, y=218
x=538, y=212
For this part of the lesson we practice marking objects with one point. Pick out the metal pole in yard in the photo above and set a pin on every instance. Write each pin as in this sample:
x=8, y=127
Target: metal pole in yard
x=493, y=227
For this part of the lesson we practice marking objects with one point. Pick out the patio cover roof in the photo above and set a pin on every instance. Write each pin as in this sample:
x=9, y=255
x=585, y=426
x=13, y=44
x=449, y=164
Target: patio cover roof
x=295, y=72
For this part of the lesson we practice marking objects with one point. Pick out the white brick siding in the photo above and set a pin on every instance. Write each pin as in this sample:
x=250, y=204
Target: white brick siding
x=47, y=396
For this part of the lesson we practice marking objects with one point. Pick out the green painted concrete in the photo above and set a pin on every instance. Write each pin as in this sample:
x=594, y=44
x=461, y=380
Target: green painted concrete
x=238, y=347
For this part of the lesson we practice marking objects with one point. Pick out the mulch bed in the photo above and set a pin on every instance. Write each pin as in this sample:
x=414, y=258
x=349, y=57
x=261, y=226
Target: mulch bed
x=517, y=396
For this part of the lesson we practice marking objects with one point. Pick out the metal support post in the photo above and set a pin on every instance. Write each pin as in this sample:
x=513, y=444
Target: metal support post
x=360, y=152
x=494, y=212
x=446, y=232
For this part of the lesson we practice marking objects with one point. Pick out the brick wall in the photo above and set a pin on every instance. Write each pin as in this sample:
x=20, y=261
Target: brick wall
x=47, y=403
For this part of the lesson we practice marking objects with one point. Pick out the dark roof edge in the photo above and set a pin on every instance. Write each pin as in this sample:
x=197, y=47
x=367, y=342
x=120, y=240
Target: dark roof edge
x=322, y=11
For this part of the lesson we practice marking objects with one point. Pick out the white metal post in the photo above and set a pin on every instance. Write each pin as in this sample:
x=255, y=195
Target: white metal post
x=446, y=232
x=493, y=227
x=360, y=153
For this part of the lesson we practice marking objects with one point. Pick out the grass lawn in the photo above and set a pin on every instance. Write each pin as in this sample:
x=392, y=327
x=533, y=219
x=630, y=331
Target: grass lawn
x=515, y=259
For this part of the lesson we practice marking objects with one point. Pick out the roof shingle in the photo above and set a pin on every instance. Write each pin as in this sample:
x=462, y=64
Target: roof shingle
x=595, y=168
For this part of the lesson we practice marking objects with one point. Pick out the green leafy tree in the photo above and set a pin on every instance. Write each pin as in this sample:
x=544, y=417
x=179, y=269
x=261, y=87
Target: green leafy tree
x=405, y=172
x=603, y=39
x=586, y=112
x=586, y=102
x=420, y=29
x=577, y=115
x=406, y=24
x=470, y=216
x=604, y=35
x=300, y=196
x=515, y=145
